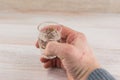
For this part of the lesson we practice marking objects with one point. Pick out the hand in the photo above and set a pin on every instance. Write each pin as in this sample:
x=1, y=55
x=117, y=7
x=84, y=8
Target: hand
x=73, y=55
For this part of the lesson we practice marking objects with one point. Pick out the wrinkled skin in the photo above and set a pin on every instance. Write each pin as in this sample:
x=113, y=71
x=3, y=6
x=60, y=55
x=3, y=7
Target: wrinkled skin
x=74, y=55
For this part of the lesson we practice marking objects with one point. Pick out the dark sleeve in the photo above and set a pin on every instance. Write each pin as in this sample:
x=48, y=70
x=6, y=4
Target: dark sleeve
x=100, y=74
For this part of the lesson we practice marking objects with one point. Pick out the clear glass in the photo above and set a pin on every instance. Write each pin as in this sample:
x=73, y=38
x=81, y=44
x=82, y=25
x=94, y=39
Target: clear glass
x=48, y=31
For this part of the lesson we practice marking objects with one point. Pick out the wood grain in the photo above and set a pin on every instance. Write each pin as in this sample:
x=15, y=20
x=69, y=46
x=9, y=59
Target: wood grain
x=19, y=59
x=109, y=6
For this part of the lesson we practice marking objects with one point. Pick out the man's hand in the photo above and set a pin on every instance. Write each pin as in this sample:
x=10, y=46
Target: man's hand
x=74, y=55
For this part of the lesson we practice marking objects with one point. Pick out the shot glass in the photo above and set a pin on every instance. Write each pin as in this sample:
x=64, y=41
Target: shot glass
x=48, y=31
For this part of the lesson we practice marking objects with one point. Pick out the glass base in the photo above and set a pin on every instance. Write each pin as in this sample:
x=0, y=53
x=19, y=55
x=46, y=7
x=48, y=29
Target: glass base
x=48, y=57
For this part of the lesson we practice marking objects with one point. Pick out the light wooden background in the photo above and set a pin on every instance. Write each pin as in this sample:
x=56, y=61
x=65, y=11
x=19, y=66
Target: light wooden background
x=105, y=6
x=19, y=59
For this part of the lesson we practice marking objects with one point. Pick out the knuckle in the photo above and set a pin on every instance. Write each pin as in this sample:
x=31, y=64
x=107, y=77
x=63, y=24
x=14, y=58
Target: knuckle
x=69, y=49
x=82, y=36
x=48, y=46
x=51, y=46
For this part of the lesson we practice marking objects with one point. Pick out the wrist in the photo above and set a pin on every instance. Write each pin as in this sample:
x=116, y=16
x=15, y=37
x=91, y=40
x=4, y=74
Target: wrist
x=90, y=70
x=83, y=73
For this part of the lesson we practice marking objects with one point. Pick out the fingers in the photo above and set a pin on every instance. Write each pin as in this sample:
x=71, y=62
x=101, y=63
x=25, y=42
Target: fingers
x=48, y=63
x=44, y=60
x=61, y=50
x=65, y=32
x=37, y=45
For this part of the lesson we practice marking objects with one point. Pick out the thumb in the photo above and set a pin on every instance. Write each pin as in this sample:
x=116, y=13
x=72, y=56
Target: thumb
x=61, y=50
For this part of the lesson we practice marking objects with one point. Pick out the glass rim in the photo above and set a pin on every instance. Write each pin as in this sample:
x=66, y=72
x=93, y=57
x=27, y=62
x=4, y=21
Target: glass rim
x=49, y=23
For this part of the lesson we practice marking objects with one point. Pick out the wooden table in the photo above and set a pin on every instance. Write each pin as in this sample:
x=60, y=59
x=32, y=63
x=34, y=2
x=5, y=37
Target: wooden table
x=19, y=59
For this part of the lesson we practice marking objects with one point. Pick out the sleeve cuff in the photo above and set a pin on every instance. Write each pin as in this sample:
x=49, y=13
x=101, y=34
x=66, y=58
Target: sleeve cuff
x=100, y=74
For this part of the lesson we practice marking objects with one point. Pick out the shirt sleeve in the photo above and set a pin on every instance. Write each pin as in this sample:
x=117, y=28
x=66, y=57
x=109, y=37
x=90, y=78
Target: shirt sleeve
x=100, y=74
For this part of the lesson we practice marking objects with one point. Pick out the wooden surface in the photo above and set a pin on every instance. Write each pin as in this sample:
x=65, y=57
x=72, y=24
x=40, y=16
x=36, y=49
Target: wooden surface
x=19, y=59
x=79, y=6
